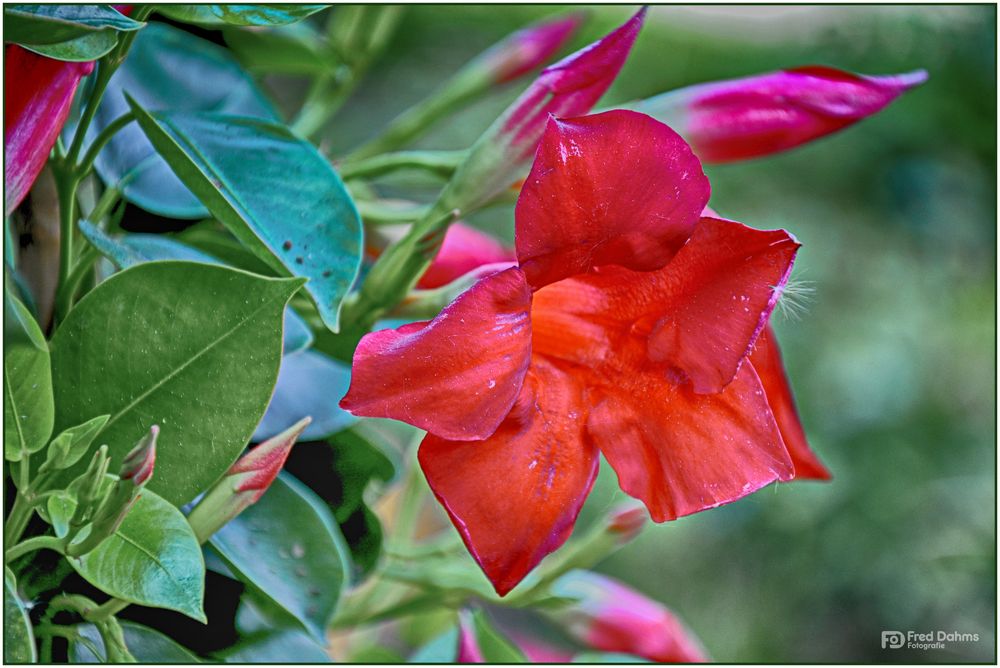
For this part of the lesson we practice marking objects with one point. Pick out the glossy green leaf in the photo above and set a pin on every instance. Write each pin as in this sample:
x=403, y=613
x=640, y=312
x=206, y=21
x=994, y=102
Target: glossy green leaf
x=129, y=250
x=18, y=638
x=150, y=349
x=241, y=15
x=27, y=385
x=60, y=511
x=146, y=645
x=168, y=68
x=51, y=24
x=493, y=645
x=309, y=383
x=358, y=461
x=274, y=191
x=291, y=49
x=72, y=444
x=305, y=568
x=80, y=49
x=153, y=559
x=280, y=647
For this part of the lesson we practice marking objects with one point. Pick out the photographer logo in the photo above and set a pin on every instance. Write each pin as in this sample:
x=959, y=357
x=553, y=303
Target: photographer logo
x=893, y=639
x=925, y=640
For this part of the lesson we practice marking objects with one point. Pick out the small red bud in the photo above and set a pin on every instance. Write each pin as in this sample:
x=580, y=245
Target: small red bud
x=139, y=462
x=262, y=464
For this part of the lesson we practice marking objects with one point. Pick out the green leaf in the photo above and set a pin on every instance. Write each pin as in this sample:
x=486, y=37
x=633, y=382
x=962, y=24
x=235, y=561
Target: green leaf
x=283, y=647
x=51, y=24
x=60, y=511
x=18, y=638
x=71, y=445
x=151, y=349
x=168, y=68
x=309, y=383
x=440, y=649
x=131, y=249
x=272, y=190
x=27, y=385
x=291, y=49
x=358, y=461
x=153, y=559
x=607, y=657
x=146, y=645
x=305, y=566
x=79, y=50
x=495, y=647
x=241, y=15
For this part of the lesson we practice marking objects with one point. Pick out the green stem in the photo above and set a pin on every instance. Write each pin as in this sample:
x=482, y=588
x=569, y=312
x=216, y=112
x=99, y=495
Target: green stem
x=101, y=141
x=32, y=544
x=107, y=610
x=66, y=184
x=438, y=163
x=18, y=519
x=67, y=290
x=380, y=213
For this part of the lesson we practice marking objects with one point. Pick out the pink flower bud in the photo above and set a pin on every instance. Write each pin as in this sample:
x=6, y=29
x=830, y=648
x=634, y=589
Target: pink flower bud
x=529, y=48
x=139, y=462
x=611, y=617
x=626, y=521
x=255, y=471
x=39, y=92
x=759, y=115
x=468, y=646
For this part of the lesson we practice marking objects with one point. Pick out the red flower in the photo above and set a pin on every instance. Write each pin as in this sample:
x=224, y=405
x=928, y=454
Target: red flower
x=768, y=113
x=38, y=94
x=625, y=329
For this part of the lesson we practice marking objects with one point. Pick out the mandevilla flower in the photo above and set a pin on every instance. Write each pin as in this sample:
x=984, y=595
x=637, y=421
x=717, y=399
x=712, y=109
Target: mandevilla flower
x=626, y=328
x=759, y=115
x=39, y=92
x=612, y=617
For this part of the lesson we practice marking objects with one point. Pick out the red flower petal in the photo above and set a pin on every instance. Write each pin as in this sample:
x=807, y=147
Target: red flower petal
x=755, y=116
x=728, y=278
x=612, y=188
x=38, y=94
x=766, y=360
x=680, y=452
x=697, y=317
x=456, y=376
x=464, y=248
x=515, y=496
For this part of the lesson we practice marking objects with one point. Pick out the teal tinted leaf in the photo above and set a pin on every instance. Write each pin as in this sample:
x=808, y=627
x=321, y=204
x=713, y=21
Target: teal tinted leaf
x=27, y=385
x=201, y=363
x=51, y=24
x=309, y=383
x=18, y=638
x=273, y=191
x=241, y=15
x=494, y=646
x=71, y=445
x=304, y=571
x=146, y=645
x=440, y=649
x=153, y=559
x=168, y=68
x=284, y=647
x=80, y=49
x=291, y=49
x=131, y=249
x=60, y=511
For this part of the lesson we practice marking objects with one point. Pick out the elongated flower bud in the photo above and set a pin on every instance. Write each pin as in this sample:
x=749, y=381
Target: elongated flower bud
x=526, y=49
x=611, y=617
x=39, y=92
x=468, y=645
x=244, y=483
x=755, y=116
x=135, y=472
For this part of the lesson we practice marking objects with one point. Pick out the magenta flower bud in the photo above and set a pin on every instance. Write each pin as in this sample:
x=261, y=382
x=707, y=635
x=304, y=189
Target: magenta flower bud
x=244, y=483
x=529, y=48
x=139, y=462
x=468, y=645
x=626, y=521
x=39, y=92
x=746, y=118
x=611, y=617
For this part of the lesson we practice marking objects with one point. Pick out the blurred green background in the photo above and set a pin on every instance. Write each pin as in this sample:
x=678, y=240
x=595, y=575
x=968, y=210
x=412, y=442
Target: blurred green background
x=892, y=358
